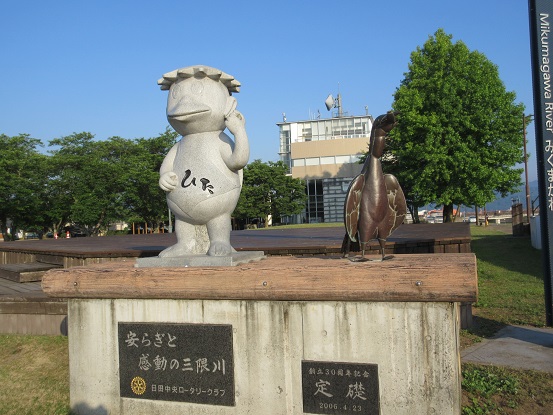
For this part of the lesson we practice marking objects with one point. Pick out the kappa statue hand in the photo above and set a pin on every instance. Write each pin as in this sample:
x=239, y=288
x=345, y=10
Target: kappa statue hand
x=168, y=181
x=235, y=122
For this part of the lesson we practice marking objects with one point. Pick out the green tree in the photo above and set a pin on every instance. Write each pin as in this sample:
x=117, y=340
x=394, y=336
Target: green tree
x=22, y=178
x=143, y=198
x=268, y=190
x=88, y=178
x=459, y=133
x=55, y=200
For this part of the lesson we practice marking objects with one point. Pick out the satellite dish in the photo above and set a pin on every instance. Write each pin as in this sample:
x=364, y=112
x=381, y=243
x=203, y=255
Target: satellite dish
x=329, y=102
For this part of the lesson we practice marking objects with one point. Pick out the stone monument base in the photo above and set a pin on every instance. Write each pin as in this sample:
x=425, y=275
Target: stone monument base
x=413, y=345
x=275, y=337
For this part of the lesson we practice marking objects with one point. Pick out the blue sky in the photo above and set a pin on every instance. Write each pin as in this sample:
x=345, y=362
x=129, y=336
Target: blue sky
x=71, y=66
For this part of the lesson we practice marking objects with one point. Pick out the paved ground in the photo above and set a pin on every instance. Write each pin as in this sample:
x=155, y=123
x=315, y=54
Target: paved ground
x=515, y=346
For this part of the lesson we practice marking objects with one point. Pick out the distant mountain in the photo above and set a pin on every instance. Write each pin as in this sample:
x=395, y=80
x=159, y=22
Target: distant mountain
x=504, y=203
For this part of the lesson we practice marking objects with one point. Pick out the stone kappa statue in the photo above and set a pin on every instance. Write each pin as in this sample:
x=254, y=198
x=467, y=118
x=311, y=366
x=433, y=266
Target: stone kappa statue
x=375, y=204
x=202, y=173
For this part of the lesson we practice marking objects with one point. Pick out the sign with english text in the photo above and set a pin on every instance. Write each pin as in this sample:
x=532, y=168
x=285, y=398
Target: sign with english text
x=541, y=40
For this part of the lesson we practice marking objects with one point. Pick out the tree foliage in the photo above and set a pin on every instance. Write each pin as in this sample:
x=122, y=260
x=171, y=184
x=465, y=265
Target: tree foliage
x=85, y=182
x=22, y=179
x=100, y=182
x=143, y=198
x=459, y=133
x=268, y=190
x=90, y=173
x=92, y=184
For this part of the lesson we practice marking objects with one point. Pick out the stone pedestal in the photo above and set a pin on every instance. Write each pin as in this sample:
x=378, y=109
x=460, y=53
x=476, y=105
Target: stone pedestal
x=297, y=328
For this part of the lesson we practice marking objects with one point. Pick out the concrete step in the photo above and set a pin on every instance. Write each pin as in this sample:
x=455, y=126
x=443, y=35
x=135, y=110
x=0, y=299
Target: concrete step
x=27, y=272
x=32, y=315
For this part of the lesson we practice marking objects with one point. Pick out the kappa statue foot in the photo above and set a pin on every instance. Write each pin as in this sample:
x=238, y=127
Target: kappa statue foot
x=176, y=250
x=191, y=240
x=219, y=248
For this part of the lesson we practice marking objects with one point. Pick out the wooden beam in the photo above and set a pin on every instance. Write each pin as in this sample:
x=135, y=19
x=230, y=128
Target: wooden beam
x=413, y=277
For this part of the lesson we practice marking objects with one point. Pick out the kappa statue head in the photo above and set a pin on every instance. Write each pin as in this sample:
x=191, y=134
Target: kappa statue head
x=200, y=97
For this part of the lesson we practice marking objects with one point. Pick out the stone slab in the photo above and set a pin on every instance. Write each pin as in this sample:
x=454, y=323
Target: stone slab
x=236, y=258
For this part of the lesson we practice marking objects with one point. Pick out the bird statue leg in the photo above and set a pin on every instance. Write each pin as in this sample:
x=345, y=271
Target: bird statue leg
x=382, y=243
x=362, y=246
x=346, y=246
x=349, y=245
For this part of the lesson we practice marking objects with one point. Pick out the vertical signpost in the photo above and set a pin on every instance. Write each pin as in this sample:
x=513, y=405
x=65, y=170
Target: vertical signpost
x=541, y=41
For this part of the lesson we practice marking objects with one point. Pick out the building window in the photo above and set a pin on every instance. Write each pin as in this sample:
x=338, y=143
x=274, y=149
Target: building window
x=316, y=161
x=315, y=205
x=329, y=129
x=343, y=159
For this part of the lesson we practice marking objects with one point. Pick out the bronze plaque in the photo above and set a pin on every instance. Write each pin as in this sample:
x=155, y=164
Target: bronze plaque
x=340, y=388
x=177, y=362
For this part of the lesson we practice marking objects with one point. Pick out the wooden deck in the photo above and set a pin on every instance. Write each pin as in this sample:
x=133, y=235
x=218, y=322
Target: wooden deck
x=407, y=239
x=26, y=309
x=11, y=289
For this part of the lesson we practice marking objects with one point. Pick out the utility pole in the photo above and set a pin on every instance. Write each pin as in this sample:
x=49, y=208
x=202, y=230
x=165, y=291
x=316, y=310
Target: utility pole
x=524, y=118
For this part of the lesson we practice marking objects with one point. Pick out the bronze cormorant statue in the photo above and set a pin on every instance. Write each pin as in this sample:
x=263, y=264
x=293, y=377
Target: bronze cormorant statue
x=375, y=204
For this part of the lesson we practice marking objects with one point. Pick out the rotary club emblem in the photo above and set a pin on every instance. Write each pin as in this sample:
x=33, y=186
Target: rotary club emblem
x=138, y=385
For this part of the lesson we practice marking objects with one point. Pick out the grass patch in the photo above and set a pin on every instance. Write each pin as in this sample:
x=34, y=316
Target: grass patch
x=490, y=390
x=34, y=374
x=510, y=281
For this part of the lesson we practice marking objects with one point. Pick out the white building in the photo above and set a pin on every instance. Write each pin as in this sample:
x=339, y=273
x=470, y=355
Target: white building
x=325, y=154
